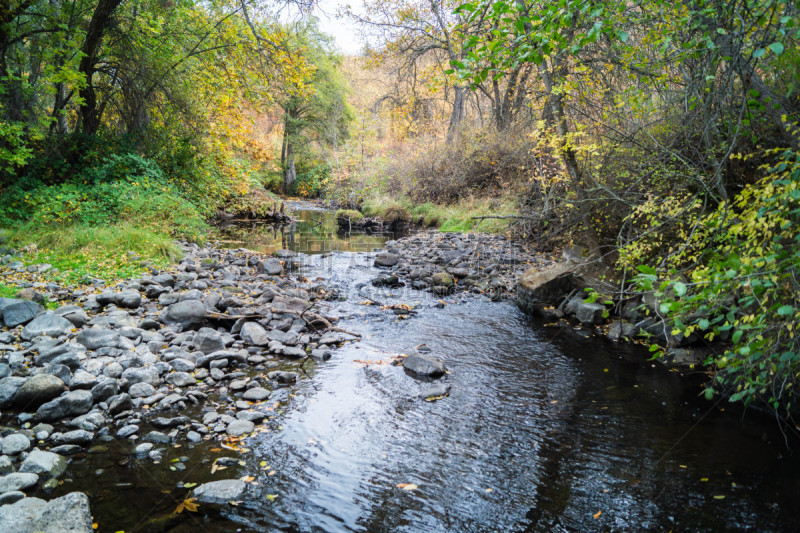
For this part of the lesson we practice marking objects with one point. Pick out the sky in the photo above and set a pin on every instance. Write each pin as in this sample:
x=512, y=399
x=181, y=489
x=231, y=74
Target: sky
x=349, y=37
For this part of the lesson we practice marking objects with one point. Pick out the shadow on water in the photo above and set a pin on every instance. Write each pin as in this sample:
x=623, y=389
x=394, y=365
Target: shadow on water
x=544, y=430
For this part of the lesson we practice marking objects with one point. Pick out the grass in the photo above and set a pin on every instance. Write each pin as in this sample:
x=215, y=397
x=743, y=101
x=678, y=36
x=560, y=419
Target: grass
x=351, y=214
x=449, y=218
x=8, y=291
x=82, y=252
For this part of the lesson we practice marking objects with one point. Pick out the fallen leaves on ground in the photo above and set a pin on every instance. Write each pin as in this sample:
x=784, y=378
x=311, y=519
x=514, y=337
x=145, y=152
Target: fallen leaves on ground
x=407, y=486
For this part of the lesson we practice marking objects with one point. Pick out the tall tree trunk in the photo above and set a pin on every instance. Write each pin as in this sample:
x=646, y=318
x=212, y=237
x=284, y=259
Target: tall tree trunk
x=457, y=114
x=91, y=113
x=289, y=172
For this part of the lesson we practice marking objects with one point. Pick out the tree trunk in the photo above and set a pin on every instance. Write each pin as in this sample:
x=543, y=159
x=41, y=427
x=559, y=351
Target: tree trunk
x=91, y=114
x=457, y=115
x=289, y=172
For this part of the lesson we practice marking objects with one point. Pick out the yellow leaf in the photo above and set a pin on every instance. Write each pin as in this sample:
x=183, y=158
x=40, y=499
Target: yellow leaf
x=719, y=496
x=271, y=497
x=407, y=486
x=597, y=514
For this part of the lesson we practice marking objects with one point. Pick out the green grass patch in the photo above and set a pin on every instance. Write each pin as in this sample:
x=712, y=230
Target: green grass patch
x=8, y=291
x=351, y=214
x=452, y=218
x=81, y=252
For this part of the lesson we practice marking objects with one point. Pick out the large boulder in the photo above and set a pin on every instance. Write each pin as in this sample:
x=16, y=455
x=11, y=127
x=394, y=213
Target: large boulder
x=20, y=312
x=538, y=289
x=222, y=491
x=49, y=324
x=190, y=314
x=37, y=390
x=67, y=514
x=424, y=366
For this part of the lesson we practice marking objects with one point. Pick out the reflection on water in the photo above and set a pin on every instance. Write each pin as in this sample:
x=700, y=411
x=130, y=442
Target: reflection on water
x=314, y=232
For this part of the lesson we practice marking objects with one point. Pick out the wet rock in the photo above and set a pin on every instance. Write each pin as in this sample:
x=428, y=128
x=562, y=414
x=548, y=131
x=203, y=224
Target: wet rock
x=162, y=422
x=77, y=316
x=20, y=312
x=128, y=299
x=105, y=390
x=141, y=390
x=69, y=404
x=237, y=428
x=16, y=481
x=442, y=279
x=386, y=260
x=82, y=379
x=48, y=324
x=143, y=448
x=435, y=390
x=620, y=329
x=41, y=462
x=126, y=431
x=14, y=444
x=119, y=403
x=6, y=466
x=256, y=394
x=283, y=377
x=590, y=313
x=190, y=314
x=537, y=289
x=157, y=437
x=10, y=497
x=220, y=491
x=424, y=366
x=95, y=338
x=37, y=390
x=67, y=514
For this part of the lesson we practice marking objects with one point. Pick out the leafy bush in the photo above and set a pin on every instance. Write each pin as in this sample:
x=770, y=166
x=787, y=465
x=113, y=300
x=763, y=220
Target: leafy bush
x=745, y=288
x=308, y=183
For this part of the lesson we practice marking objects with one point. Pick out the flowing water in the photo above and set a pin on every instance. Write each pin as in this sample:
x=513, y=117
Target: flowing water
x=544, y=430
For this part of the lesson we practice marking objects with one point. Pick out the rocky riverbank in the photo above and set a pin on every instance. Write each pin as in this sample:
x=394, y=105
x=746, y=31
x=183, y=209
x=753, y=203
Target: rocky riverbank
x=447, y=263
x=124, y=362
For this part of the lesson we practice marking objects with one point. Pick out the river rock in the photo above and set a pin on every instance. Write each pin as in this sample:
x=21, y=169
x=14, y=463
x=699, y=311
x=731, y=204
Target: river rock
x=14, y=444
x=272, y=267
x=95, y=338
x=20, y=312
x=237, y=428
x=49, y=324
x=129, y=299
x=219, y=492
x=67, y=514
x=70, y=404
x=74, y=314
x=142, y=374
x=16, y=481
x=386, y=260
x=589, y=313
x=8, y=389
x=180, y=379
x=77, y=436
x=208, y=341
x=435, y=390
x=254, y=334
x=37, y=390
x=537, y=289
x=41, y=462
x=256, y=394
x=190, y=314
x=141, y=390
x=424, y=366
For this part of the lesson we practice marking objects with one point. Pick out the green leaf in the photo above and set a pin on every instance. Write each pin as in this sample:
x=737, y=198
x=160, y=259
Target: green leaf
x=777, y=48
x=786, y=310
x=680, y=288
x=737, y=335
x=703, y=323
x=645, y=269
x=623, y=36
x=758, y=53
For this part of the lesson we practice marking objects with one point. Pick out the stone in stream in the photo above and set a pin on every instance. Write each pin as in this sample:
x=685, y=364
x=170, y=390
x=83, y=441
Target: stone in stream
x=14, y=444
x=17, y=481
x=180, y=379
x=41, y=462
x=141, y=390
x=590, y=313
x=78, y=436
x=67, y=514
x=386, y=260
x=435, y=391
x=237, y=428
x=220, y=492
x=37, y=390
x=49, y=324
x=20, y=312
x=71, y=403
x=208, y=341
x=256, y=394
x=424, y=366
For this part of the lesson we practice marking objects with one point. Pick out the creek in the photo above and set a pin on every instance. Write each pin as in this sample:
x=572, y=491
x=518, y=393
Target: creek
x=545, y=429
